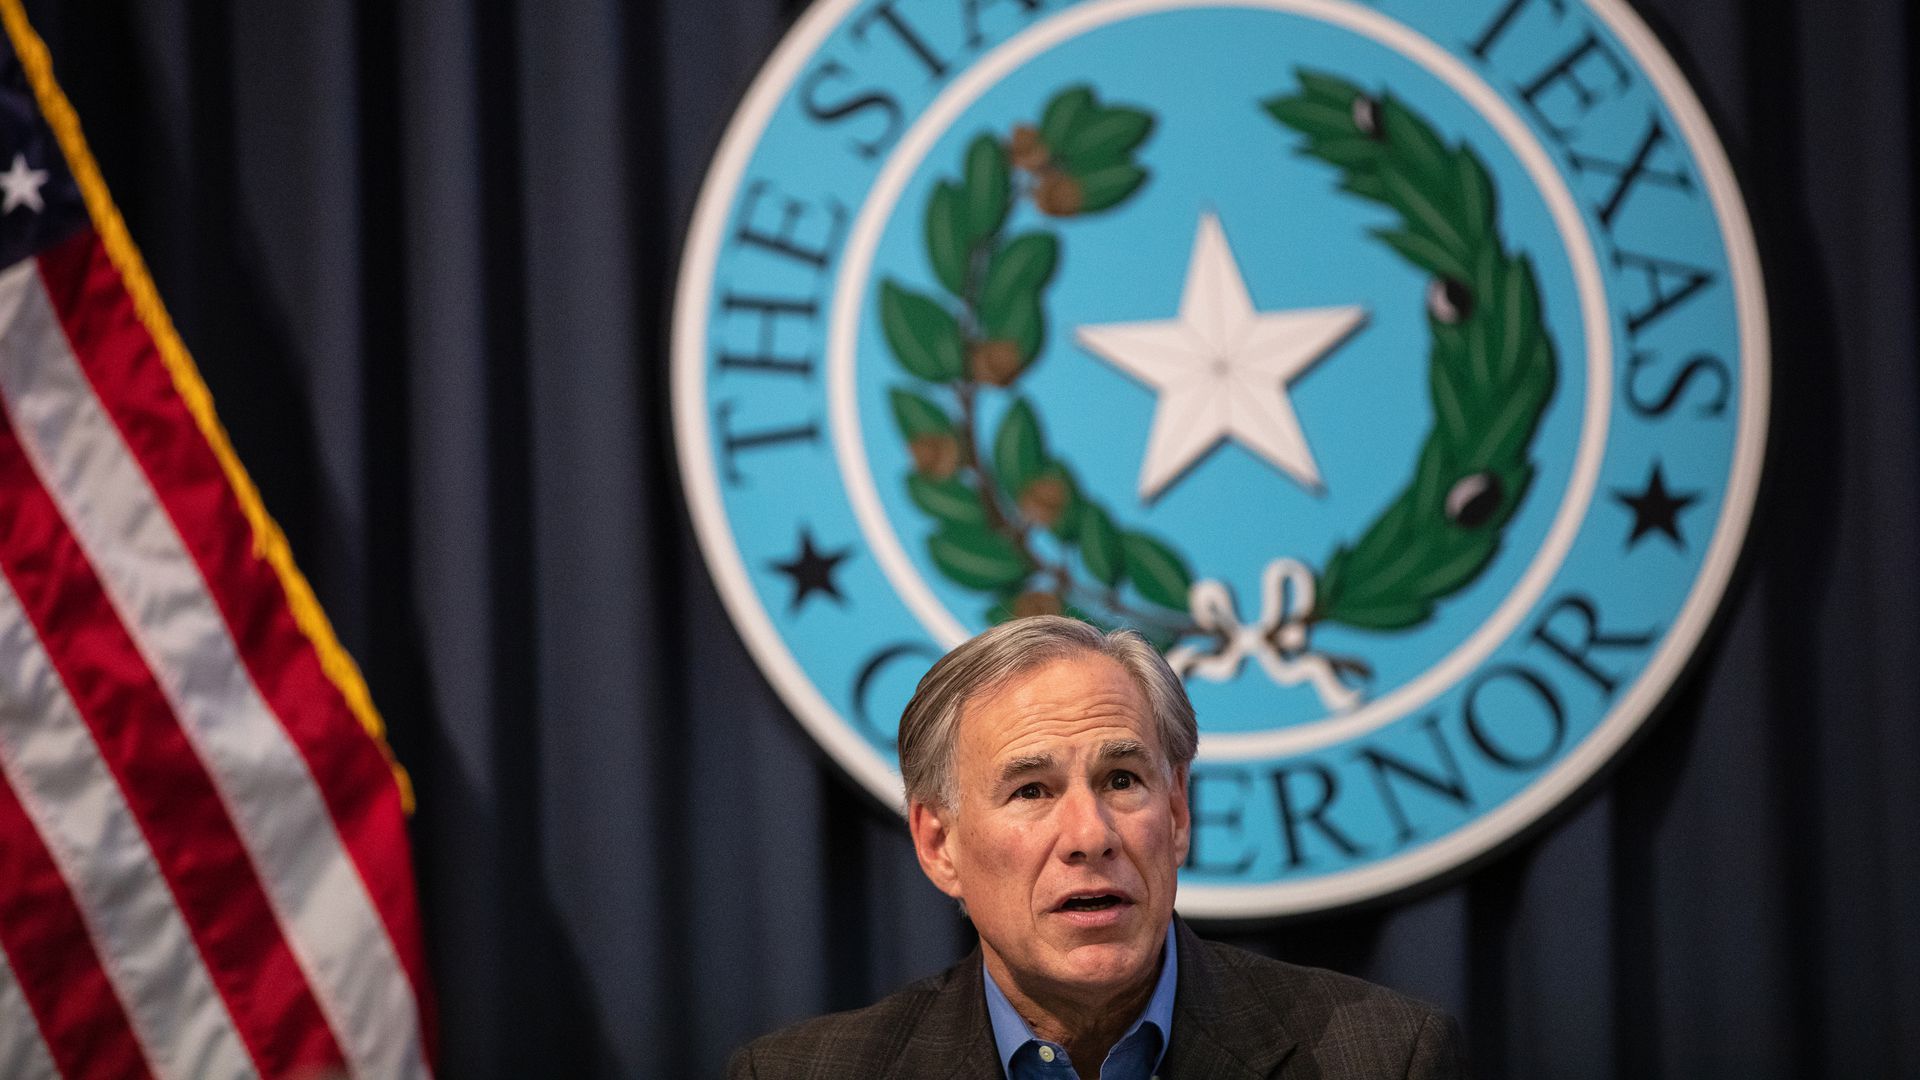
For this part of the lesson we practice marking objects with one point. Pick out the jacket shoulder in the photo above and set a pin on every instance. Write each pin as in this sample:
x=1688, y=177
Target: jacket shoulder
x=1316, y=988
x=843, y=1043
x=1345, y=1026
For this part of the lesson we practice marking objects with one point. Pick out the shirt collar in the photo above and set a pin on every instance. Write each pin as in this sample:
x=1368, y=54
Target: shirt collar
x=1010, y=1032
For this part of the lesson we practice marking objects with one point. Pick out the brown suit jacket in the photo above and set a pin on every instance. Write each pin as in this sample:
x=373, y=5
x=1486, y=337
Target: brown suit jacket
x=1236, y=1016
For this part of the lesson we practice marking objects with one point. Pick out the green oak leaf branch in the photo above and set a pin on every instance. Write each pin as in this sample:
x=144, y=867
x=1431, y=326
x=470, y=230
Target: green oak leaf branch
x=1010, y=519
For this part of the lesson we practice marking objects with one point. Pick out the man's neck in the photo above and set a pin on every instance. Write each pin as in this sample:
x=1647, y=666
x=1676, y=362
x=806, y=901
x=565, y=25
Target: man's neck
x=1087, y=1025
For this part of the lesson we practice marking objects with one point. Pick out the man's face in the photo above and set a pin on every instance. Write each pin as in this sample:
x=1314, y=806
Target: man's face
x=1068, y=828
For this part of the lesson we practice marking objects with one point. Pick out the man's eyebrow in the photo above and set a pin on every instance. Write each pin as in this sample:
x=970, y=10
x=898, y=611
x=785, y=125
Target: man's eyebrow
x=1026, y=763
x=1123, y=748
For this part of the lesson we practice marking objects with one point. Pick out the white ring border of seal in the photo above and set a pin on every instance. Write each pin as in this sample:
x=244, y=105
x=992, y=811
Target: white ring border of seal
x=692, y=441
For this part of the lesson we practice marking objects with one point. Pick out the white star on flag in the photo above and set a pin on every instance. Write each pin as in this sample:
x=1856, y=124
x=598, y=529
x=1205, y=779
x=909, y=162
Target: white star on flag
x=1221, y=369
x=22, y=186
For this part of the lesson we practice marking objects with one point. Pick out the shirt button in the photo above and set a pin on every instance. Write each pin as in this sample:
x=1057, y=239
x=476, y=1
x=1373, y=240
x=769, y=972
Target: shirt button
x=1046, y=1054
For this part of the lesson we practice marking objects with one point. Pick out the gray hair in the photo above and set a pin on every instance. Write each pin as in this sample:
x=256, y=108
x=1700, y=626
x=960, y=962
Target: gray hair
x=930, y=725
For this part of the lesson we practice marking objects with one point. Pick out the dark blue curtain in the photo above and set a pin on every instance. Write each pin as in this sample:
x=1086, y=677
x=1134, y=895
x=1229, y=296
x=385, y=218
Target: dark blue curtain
x=423, y=255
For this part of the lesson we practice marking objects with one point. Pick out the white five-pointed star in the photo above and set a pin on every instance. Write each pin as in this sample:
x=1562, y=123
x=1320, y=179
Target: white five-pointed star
x=22, y=186
x=1221, y=369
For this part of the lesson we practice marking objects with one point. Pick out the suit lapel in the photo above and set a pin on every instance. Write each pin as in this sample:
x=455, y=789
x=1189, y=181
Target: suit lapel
x=1220, y=1028
x=953, y=1037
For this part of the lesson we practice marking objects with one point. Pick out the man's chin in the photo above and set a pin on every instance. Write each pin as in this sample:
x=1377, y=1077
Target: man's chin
x=1108, y=965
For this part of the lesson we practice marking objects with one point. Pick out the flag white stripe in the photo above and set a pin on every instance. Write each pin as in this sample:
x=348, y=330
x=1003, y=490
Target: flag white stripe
x=145, y=947
x=23, y=1052
x=328, y=918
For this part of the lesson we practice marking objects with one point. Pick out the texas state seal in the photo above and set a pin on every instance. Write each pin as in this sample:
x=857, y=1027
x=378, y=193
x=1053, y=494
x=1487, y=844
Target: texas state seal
x=1398, y=368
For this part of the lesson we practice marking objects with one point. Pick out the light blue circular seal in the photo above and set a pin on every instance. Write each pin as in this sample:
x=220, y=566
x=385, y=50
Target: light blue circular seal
x=1399, y=369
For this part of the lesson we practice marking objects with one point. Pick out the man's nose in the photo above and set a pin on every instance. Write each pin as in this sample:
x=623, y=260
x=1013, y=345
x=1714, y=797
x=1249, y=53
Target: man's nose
x=1086, y=826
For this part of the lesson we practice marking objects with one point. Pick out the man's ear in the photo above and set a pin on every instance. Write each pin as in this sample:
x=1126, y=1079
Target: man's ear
x=932, y=841
x=1182, y=816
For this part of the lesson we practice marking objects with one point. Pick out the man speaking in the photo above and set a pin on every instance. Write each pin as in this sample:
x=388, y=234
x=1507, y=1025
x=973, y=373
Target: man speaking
x=1046, y=774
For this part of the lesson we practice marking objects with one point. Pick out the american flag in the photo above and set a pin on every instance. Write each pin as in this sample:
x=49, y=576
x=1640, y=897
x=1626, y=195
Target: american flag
x=204, y=868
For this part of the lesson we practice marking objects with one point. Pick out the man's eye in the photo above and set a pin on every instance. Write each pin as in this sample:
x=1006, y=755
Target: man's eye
x=1123, y=780
x=1029, y=791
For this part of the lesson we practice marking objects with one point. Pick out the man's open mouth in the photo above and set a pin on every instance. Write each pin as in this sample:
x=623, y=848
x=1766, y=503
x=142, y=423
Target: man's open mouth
x=1092, y=902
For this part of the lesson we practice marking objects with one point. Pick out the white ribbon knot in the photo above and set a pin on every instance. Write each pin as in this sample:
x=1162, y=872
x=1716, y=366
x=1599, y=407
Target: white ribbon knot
x=1286, y=602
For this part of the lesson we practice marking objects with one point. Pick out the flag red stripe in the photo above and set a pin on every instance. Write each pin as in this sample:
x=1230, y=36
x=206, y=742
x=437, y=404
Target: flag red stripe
x=163, y=781
x=81, y=1020
x=123, y=366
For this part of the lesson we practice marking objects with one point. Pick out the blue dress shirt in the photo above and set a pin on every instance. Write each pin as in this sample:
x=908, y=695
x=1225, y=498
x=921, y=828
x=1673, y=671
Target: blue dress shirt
x=1134, y=1057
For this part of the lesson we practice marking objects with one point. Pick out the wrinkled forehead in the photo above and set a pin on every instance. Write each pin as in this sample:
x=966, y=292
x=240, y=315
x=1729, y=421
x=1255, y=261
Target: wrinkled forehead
x=1083, y=696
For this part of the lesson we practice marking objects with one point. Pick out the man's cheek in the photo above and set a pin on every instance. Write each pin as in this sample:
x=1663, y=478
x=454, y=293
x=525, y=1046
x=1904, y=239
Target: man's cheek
x=996, y=851
x=1023, y=838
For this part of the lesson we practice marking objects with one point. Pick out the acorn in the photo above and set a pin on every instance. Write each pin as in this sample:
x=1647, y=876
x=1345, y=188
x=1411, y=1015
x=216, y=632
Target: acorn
x=996, y=363
x=1028, y=150
x=936, y=457
x=1472, y=500
x=1366, y=116
x=1058, y=194
x=1449, y=301
x=1029, y=604
x=1044, y=500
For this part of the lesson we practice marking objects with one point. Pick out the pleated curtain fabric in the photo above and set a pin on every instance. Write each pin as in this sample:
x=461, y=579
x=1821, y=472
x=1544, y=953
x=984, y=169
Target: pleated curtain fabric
x=424, y=254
